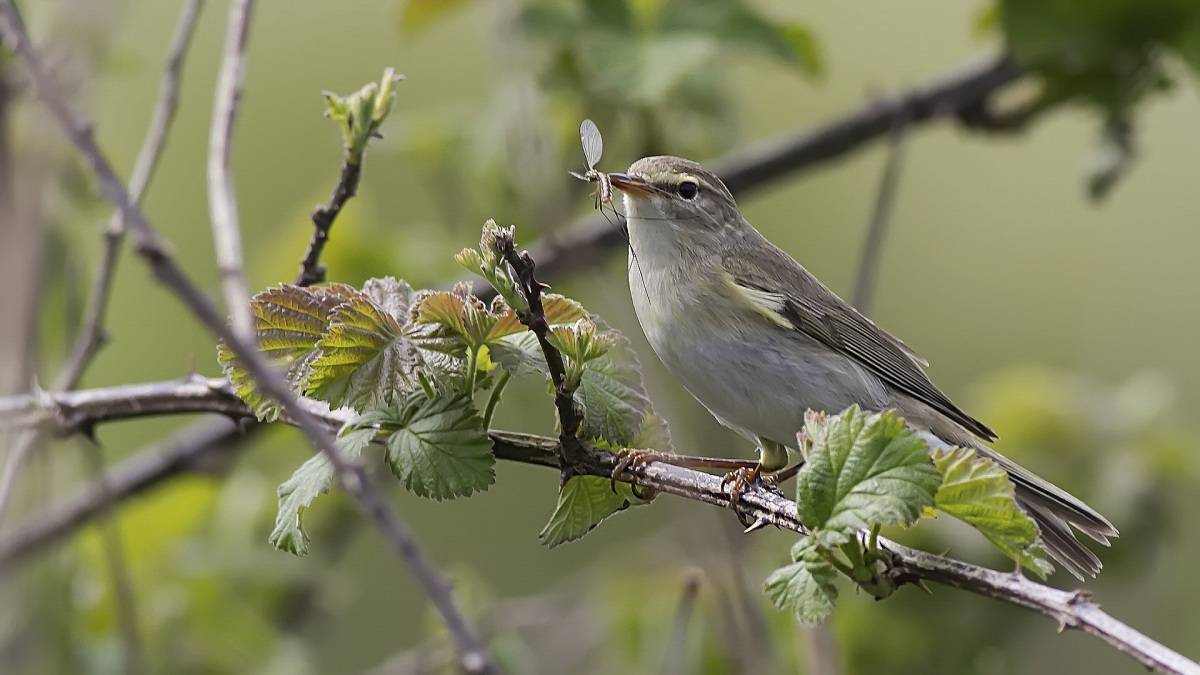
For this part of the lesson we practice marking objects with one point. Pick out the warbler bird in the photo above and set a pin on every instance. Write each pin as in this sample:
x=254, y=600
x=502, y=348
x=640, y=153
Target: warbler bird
x=758, y=340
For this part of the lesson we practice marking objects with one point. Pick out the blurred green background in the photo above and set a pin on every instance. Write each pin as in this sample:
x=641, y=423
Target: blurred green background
x=1069, y=326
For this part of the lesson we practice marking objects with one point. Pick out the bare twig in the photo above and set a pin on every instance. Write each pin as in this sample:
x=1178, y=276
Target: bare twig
x=311, y=269
x=474, y=656
x=868, y=265
x=198, y=448
x=676, y=652
x=93, y=335
x=222, y=203
x=534, y=318
x=1070, y=609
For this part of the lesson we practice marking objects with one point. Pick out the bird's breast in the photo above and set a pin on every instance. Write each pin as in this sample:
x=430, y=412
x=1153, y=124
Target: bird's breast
x=755, y=377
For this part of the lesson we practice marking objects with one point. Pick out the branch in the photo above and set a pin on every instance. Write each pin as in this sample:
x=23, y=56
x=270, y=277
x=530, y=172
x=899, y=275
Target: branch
x=569, y=419
x=951, y=96
x=474, y=656
x=93, y=334
x=222, y=204
x=311, y=269
x=1070, y=609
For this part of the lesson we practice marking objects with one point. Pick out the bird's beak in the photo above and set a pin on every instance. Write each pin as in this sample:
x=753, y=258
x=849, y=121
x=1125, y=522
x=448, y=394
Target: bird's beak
x=634, y=186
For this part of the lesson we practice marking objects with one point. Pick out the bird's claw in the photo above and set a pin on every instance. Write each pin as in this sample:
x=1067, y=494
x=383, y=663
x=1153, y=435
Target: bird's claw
x=630, y=462
x=738, y=480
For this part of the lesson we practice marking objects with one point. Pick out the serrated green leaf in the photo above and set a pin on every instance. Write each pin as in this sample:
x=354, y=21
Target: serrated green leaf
x=805, y=587
x=288, y=322
x=312, y=479
x=978, y=492
x=654, y=434
x=517, y=349
x=366, y=361
x=863, y=469
x=438, y=447
x=392, y=295
x=444, y=309
x=519, y=354
x=583, y=503
x=612, y=396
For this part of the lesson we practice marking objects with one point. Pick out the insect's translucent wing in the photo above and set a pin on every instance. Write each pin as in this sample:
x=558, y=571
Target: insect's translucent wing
x=593, y=143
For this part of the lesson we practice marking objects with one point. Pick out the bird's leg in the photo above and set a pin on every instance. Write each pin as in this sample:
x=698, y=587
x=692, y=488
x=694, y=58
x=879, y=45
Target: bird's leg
x=772, y=457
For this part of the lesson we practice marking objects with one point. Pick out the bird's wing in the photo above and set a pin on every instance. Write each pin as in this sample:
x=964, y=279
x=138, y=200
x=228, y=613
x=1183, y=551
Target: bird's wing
x=794, y=298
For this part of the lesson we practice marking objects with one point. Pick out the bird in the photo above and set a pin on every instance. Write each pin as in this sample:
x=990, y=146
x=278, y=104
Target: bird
x=758, y=340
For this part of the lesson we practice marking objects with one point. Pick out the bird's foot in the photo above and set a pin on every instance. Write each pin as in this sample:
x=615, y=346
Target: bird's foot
x=630, y=463
x=739, y=479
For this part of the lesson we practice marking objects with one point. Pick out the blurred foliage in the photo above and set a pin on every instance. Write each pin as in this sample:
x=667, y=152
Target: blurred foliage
x=654, y=71
x=1109, y=54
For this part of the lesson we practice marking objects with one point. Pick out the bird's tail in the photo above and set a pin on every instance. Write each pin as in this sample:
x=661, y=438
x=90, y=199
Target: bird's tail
x=1056, y=511
x=1053, y=509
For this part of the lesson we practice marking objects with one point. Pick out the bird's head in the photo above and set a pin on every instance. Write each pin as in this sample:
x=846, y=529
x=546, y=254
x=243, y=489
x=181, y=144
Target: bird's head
x=676, y=198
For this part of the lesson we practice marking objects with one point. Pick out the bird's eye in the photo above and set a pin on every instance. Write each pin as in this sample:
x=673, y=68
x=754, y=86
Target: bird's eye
x=688, y=189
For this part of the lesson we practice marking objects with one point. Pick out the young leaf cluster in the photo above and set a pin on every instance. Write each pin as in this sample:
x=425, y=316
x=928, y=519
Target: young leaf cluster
x=363, y=350
x=361, y=113
x=865, y=471
x=410, y=364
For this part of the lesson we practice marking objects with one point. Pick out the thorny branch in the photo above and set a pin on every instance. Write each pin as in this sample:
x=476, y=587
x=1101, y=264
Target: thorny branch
x=65, y=412
x=534, y=318
x=474, y=656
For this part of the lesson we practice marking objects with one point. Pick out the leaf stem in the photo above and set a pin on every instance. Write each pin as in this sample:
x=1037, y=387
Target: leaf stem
x=472, y=371
x=873, y=541
x=494, y=399
x=832, y=559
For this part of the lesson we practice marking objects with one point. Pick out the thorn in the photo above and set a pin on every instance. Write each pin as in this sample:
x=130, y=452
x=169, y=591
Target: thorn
x=758, y=524
x=920, y=583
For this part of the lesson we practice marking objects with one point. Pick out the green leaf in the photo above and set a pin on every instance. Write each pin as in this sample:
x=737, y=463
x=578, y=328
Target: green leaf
x=583, y=503
x=288, y=321
x=805, y=587
x=519, y=354
x=978, y=492
x=366, y=361
x=612, y=396
x=313, y=478
x=438, y=447
x=863, y=469
x=516, y=348
x=391, y=295
x=648, y=69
